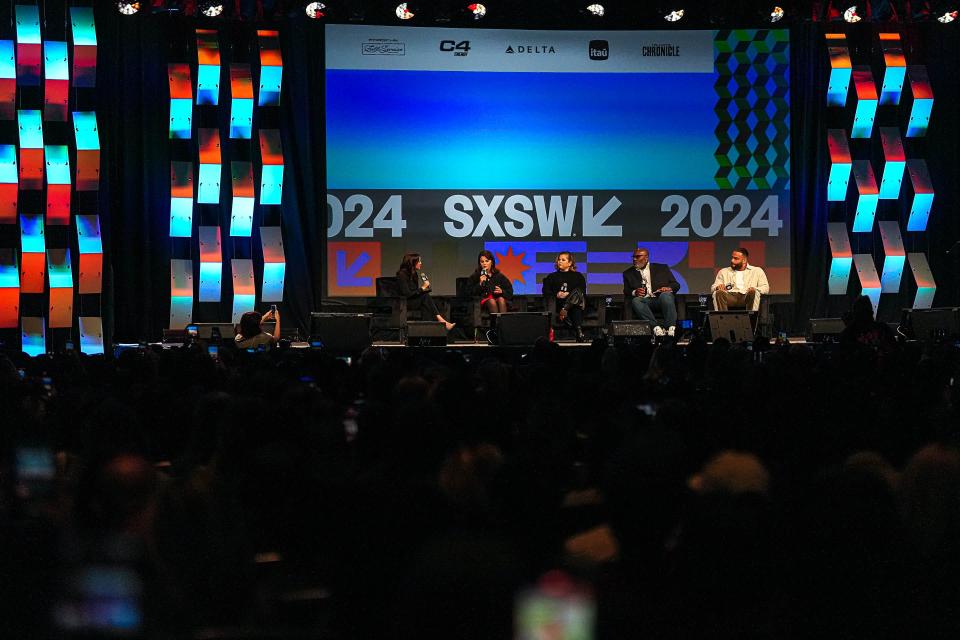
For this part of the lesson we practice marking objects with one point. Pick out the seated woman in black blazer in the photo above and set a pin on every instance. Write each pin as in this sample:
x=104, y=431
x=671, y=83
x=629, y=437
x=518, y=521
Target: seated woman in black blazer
x=415, y=287
x=570, y=290
x=490, y=285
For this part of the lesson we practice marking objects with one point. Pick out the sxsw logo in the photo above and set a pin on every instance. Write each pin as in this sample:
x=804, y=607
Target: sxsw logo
x=599, y=49
x=352, y=268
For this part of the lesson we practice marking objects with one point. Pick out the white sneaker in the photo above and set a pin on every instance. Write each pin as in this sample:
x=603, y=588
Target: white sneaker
x=659, y=332
x=671, y=331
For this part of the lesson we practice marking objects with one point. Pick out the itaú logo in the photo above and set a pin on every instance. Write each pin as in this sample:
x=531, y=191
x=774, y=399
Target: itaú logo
x=517, y=215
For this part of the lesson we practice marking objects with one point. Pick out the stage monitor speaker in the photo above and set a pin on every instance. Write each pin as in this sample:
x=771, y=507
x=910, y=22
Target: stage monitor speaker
x=826, y=329
x=340, y=331
x=935, y=324
x=206, y=330
x=521, y=329
x=426, y=334
x=629, y=331
x=732, y=325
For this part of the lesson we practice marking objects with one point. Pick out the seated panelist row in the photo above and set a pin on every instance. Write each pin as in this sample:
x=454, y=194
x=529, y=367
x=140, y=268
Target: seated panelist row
x=649, y=287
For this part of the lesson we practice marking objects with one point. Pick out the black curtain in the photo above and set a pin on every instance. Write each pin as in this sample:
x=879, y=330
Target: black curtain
x=133, y=110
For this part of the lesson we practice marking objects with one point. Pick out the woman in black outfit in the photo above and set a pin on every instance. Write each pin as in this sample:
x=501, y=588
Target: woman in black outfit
x=490, y=285
x=570, y=290
x=415, y=287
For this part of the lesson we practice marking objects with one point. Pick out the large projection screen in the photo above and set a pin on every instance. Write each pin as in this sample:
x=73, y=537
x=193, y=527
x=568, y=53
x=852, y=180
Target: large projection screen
x=448, y=141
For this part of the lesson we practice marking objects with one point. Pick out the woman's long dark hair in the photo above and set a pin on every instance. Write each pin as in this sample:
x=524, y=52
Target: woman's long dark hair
x=408, y=265
x=250, y=324
x=489, y=256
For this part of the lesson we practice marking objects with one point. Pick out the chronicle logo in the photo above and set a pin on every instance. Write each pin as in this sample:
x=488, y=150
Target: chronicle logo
x=599, y=49
x=531, y=48
x=383, y=47
x=661, y=51
x=461, y=48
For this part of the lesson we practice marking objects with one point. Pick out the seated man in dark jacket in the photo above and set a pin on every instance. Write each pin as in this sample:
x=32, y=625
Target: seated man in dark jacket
x=648, y=287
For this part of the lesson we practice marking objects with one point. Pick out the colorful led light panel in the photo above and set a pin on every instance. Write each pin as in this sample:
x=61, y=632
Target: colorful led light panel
x=895, y=68
x=241, y=108
x=841, y=258
x=894, y=256
x=244, y=291
x=9, y=289
x=84, y=47
x=55, y=60
x=274, y=264
x=840, y=164
x=8, y=81
x=208, y=191
x=181, y=101
x=271, y=68
x=28, y=45
x=241, y=213
x=33, y=337
x=58, y=164
x=8, y=164
x=181, y=293
x=271, y=179
x=866, y=102
x=60, y=310
x=31, y=129
x=31, y=234
x=58, y=204
x=895, y=161
x=181, y=217
x=922, y=101
x=208, y=67
x=869, y=280
x=85, y=130
x=840, y=70
x=868, y=194
x=922, y=195
x=926, y=287
x=88, y=235
x=91, y=335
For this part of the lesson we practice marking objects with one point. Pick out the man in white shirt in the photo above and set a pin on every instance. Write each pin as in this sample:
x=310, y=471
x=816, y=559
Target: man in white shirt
x=740, y=284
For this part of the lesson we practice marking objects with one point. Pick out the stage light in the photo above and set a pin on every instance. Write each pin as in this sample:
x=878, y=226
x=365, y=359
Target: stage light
x=404, y=12
x=674, y=16
x=850, y=15
x=316, y=10
x=776, y=14
x=477, y=10
x=128, y=8
x=210, y=8
x=596, y=10
x=947, y=17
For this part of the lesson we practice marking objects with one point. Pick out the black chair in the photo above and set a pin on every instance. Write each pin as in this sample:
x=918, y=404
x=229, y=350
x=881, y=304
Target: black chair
x=395, y=320
x=594, y=315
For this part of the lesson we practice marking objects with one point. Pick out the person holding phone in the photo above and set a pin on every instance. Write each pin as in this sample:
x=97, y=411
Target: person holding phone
x=490, y=285
x=414, y=285
x=252, y=335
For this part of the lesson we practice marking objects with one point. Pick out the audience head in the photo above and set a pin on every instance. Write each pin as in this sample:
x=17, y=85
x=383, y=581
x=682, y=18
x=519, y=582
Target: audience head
x=250, y=324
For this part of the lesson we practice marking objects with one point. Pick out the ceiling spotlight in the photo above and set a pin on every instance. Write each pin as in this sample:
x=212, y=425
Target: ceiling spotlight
x=477, y=10
x=128, y=8
x=596, y=10
x=210, y=8
x=316, y=10
x=948, y=17
x=850, y=15
x=777, y=14
x=674, y=16
x=403, y=12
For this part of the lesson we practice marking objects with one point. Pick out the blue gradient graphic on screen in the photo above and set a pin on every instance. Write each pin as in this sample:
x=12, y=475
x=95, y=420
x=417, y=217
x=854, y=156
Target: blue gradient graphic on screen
x=443, y=130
